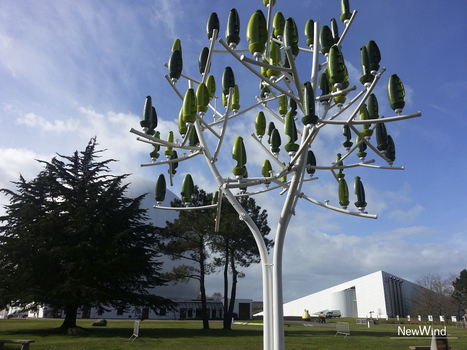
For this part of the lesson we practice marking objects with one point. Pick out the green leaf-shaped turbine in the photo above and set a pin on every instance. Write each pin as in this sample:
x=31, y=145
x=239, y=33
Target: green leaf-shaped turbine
x=396, y=93
x=232, y=33
x=213, y=23
x=188, y=188
x=260, y=124
x=257, y=34
x=175, y=65
x=160, y=189
x=239, y=154
x=278, y=23
x=360, y=192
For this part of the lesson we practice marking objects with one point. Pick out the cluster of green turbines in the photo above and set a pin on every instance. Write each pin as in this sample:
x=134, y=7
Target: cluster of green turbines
x=273, y=43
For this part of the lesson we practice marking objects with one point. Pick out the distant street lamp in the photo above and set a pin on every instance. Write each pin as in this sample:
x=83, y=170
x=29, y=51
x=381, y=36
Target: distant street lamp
x=274, y=45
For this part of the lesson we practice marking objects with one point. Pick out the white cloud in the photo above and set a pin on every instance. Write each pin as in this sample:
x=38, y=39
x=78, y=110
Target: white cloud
x=58, y=126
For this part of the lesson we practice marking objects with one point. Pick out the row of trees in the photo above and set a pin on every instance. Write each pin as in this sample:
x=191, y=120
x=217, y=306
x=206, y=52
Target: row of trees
x=442, y=296
x=70, y=238
x=191, y=237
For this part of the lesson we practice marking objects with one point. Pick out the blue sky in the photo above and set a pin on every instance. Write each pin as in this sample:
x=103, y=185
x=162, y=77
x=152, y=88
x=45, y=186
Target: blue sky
x=73, y=70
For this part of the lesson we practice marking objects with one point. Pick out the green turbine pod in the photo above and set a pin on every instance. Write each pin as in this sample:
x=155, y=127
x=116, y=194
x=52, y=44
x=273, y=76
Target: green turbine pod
x=173, y=166
x=175, y=65
x=182, y=129
x=293, y=106
x=391, y=152
x=360, y=192
x=202, y=99
x=189, y=106
x=347, y=134
x=257, y=34
x=154, y=154
x=362, y=148
x=228, y=80
x=283, y=105
x=203, y=58
x=260, y=124
x=275, y=141
x=239, y=154
x=269, y=130
x=152, y=120
x=146, y=121
x=213, y=23
x=373, y=109
x=310, y=32
x=309, y=116
x=343, y=192
x=169, y=150
x=324, y=86
x=278, y=23
x=232, y=32
x=382, y=137
x=188, y=188
x=291, y=36
x=340, y=172
x=193, y=139
x=366, y=132
x=336, y=68
x=366, y=77
x=375, y=56
x=291, y=131
x=236, y=99
x=310, y=160
x=396, y=93
x=325, y=39
x=160, y=189
x=266, y=170
x=334, y=30
x=345, y=10
x=274, y=60
x=211, y=85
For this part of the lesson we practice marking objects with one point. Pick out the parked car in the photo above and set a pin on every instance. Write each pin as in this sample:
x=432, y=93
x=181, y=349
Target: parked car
x=17, y=314
x=333, y=313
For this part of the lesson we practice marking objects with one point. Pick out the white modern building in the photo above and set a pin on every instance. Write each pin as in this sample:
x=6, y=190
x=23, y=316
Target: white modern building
x=377, y=295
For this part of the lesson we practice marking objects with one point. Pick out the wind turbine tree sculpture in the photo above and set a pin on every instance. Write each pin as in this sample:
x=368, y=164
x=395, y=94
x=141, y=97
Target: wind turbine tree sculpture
x=302, y=112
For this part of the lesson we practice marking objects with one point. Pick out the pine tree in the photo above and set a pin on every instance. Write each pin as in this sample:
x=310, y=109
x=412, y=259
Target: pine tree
x=71, y=238
x=189, y=238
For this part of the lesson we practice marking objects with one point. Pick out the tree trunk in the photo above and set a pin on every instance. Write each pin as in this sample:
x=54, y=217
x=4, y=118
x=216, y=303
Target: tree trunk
x=70, y=317
x=233, y=293
x=227, y=314
x=204, y=306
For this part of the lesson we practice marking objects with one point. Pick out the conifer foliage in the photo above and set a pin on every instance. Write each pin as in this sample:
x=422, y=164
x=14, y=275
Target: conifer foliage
x=71, y=238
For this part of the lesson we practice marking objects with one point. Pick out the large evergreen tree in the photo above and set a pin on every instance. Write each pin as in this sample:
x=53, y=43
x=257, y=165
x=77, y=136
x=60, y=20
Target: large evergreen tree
x=71, y=238
x=236, y=247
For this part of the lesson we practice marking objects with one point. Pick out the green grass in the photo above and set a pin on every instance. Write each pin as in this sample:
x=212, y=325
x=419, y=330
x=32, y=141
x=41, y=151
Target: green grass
x=189, y=335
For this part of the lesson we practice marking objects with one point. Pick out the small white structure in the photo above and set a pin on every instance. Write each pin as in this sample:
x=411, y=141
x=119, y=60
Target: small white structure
x=380, y=293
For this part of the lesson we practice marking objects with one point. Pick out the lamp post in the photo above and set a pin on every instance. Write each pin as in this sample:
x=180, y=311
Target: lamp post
x=274, y=45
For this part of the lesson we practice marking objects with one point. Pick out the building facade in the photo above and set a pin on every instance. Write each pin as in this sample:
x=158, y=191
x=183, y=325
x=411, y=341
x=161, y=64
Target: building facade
x=379, y=295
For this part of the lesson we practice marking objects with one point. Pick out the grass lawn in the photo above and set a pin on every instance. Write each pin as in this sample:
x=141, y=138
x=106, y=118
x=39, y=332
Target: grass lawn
x=189, y=335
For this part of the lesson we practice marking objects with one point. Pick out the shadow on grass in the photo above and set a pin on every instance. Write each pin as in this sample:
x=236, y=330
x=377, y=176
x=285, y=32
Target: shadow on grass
x=125, y=333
